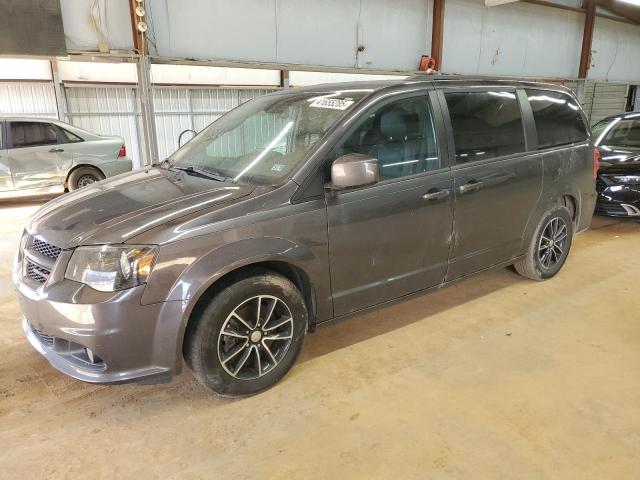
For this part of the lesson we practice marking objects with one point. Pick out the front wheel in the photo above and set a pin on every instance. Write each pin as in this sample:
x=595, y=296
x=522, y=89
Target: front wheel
x=549, y=247
x=248, y=336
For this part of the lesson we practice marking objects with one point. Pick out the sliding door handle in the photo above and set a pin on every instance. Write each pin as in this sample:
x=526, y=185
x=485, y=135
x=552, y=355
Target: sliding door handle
x=436, y=194
x=57, y=150
x=472, y=186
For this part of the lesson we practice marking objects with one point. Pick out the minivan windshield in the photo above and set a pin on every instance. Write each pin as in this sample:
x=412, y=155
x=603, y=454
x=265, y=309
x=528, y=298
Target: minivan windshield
x=262, y=141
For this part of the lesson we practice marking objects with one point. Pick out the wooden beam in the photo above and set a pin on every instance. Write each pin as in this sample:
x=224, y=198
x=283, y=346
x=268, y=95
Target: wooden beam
x=437, y=32
x=497, y=3
x=587, y=38
x=137, y=39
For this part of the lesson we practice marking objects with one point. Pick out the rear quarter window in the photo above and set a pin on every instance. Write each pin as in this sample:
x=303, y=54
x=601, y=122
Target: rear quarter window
x=485, y=124
x=68, y=136
x=558, y=118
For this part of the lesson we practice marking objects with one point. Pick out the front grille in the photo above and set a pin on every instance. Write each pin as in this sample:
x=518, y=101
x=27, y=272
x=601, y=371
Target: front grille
x=76, y=354
x=37, y=273
x=43, y=337
x=46, y=249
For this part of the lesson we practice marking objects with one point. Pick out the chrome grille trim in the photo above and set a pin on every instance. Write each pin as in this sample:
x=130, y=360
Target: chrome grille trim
x=38, y=259
x=45, y=249
x=36, y=272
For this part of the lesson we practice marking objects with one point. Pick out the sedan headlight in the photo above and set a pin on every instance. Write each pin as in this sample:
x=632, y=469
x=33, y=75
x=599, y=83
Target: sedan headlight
x=109, y=268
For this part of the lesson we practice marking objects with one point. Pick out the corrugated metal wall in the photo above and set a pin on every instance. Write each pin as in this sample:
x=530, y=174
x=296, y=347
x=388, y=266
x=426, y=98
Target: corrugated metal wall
x=28, y=99
x=107, y=111
x=602, y=99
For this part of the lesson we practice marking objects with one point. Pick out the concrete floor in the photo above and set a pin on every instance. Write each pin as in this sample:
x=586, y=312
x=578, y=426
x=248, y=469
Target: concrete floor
x=496, y=377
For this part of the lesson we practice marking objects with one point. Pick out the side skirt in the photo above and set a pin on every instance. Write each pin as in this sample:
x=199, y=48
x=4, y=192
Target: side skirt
x=418, y=293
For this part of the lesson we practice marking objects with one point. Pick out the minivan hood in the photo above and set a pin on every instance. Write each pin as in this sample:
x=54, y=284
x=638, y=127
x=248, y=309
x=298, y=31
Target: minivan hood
x=115, y=210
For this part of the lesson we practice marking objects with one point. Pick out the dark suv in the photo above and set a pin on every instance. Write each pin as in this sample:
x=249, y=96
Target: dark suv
x=296, y=208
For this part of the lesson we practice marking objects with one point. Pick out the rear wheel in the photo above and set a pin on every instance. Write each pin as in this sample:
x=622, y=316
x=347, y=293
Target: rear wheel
x=248, y=336
x=84, y=176
x=549, y=246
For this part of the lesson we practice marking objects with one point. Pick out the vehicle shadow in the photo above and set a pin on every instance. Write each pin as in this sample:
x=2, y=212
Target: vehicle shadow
x=26, y=379
x=342, y=333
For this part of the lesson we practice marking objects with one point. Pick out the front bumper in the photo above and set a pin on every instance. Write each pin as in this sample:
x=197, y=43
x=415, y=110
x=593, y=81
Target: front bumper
x=126, y=341
x=618, y=200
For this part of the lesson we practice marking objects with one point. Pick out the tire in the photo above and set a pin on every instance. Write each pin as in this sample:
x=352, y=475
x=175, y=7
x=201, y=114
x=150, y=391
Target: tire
x=544, y=257
x=216, y=357
x=83, y=176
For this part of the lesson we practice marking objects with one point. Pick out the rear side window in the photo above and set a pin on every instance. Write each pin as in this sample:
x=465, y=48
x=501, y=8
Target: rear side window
x=32, y=134
x=485, y=124
x=558, y=118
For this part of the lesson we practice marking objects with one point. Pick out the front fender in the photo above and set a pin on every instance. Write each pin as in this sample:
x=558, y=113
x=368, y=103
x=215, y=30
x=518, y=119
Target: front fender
x=199, y=272
x=229, y=257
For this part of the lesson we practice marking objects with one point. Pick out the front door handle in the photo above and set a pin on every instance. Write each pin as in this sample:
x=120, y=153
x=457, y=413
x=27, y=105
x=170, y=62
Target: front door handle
x=57, y=150
x=436, y=194
x=471, y=186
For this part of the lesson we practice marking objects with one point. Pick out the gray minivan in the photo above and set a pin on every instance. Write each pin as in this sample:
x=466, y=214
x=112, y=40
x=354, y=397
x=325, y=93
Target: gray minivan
x=296, y=208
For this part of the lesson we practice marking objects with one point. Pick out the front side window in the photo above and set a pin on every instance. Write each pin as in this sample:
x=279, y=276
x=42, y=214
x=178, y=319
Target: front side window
x=263, y=140
x=32, y=134
x=485, y=124
x=558, y=118
x=400, y=135
x=619, y=133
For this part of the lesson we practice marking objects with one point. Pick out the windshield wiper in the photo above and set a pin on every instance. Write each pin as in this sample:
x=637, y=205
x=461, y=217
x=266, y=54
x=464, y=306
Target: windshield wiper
x=191, y=170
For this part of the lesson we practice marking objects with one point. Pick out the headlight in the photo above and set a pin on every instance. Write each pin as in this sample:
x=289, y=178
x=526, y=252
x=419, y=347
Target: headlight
x=110, y=268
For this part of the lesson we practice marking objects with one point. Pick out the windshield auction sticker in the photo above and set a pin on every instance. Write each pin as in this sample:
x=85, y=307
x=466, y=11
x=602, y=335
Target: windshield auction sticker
x=333, y=103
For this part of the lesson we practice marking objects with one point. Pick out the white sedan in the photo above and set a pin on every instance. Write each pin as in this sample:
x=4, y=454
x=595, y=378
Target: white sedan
x=45, y=156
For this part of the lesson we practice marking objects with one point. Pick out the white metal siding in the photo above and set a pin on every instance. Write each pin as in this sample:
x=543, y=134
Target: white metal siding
x=602, y=99
x=107, y=111
x=28, y=99
x=606, y=99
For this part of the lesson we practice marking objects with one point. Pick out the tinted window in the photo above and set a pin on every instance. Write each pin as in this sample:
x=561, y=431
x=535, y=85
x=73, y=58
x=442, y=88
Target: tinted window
x=32, y=134
x=485, y=124
x=400, y=135
x=558, y=118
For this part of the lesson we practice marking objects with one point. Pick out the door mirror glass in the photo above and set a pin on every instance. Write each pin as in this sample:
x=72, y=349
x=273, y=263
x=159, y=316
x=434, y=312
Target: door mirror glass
x=354, y=170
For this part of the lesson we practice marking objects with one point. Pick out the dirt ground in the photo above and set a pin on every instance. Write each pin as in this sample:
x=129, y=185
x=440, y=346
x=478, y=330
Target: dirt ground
x=495, y=377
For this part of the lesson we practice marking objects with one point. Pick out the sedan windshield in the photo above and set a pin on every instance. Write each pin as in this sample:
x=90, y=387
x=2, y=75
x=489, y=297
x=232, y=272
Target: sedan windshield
x=263, y=140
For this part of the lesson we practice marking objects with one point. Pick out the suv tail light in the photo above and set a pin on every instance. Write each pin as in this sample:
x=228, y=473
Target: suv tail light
x=122, y=152
x=596, y=162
